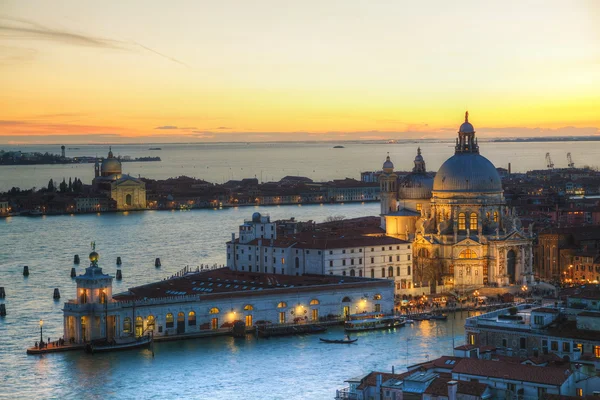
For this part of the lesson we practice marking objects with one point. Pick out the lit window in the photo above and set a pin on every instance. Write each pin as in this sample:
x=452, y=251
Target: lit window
x=597, y=351
x=377, y=297
x=282, y=304
x=127, y=325
x=462, y=221
x=169, y=320
x=468, y=253
x=495, y=216
x=213, y=310
x=248, y=307
x=473, y=221
x=419, y=207
x=192, y=318
x=314, y=302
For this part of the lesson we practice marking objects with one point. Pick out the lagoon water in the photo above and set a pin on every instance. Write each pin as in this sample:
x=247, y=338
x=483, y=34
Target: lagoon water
x=220, y=162
x=215, y=368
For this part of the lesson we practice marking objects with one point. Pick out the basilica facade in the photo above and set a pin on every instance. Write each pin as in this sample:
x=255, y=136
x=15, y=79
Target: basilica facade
x=127, y=191
x=463, y=234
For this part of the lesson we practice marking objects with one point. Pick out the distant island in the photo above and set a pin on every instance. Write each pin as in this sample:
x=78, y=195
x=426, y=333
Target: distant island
x=338, y=147
x=550, y=139
x=154, y=148
x=34, y=158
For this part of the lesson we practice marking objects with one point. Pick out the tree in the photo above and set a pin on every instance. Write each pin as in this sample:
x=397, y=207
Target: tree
x=51, y=187
x=513, y=310
x=70, y=185
x=334, y=218
x=63, y=186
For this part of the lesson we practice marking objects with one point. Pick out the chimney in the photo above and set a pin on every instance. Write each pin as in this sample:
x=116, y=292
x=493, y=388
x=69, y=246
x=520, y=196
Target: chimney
x=452, y=389
x=233, y=237
x=508, y=169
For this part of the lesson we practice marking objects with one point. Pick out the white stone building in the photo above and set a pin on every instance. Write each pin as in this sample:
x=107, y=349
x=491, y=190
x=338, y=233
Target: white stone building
x=211, y=301
x=349, y=252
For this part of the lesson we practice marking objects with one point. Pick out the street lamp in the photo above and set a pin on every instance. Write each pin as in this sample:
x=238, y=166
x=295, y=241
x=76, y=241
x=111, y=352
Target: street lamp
x=41, y=335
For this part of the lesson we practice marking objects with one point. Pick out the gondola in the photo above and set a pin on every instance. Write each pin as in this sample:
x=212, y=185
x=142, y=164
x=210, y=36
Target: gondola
x=338, y=341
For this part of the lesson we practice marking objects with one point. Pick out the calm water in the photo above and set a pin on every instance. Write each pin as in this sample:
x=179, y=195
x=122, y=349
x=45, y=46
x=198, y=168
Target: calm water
x=217, y=368
x=272, y=161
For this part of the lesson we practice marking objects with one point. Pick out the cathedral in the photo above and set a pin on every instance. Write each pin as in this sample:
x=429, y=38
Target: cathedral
x=463, y=234
x=127, y=191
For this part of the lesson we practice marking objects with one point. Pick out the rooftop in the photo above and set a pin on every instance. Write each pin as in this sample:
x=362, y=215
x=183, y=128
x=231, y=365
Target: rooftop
x=224, y=282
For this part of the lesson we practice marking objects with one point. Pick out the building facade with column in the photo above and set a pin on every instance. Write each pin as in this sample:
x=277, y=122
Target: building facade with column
x=463, y=234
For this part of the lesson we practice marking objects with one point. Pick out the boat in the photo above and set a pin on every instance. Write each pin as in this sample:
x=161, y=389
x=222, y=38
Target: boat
x=421, y=317
x=103, y=346
x=372, y=321
x=409, y=321
x=154, y=148
x=338, y=147
x=338, y=341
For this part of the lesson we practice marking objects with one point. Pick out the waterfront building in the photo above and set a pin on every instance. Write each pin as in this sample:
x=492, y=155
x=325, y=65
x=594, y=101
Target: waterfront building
x=570, y=333
x=357, y=248
x=127, y=191
x=473, y=375
x=341, y=190
x=463, y=234
x=4, y=208
x=94, y=204
x=210, y=302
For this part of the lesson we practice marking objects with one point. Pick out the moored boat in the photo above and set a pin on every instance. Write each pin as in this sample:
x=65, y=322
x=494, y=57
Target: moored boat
x=441, y=317
x=372, y=321
x=104, y=346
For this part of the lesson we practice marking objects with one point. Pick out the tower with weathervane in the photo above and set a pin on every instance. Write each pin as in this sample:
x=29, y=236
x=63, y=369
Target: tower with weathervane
x=388, y=182
x=86, y=317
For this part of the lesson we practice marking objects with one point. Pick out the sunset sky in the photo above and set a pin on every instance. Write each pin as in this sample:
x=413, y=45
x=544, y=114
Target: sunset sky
x=155, y=71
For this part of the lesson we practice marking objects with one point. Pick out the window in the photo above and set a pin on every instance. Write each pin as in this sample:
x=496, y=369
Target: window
x=352, y=273
x=372, y=273
x=360, y=273
x=419, y=207
x=151, y=322
x=398, y=257
x=360, y=261
x=297, y=262
x=523, y=343
x=473, y=221
x=383, y=272
x=390, y=259
x=352, y=261
x=397, y=271
x=331, y=263
x=377, y=307
x=213, y=310
x=372, y=260
x=344, y=273
x=372, y=249
x=352, y=251
x=390, y=271
x=282, y=260
x=282, y=317
x=566, y=347
x=504, y=343
x=344, y=262
x=343, y=251
x=538, y=320
x=346, y=300
x=169, y=320
x=377, y=297
x=330, y=252
x=495, y=216
x=408, y=271
x=462, y=221
x=468, y=253
x=192, y=318
x=127, y=325
x=282, y=304
x=597, y=351
x=554, y=345
x=139, y=326
x=579, y=392
x=314, y=302
x=408, y=255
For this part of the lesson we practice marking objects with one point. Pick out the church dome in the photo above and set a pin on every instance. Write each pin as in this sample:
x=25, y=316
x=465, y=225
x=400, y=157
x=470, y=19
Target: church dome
x=467, y=172
x=466, y=127
x=388, y=165
x=111, y=165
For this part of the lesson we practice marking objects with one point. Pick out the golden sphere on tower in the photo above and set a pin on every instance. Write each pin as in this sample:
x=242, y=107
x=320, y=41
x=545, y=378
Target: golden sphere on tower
x=94, y=256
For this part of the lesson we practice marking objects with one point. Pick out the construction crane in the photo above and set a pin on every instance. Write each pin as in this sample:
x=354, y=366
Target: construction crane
x=549, y=162
x=570, y=160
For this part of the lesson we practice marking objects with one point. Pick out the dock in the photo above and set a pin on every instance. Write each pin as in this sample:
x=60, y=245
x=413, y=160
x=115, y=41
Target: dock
x=54, y=349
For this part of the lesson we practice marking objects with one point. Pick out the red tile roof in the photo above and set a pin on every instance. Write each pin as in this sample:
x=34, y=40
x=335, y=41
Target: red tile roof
x=439, y=387
x=518, y=372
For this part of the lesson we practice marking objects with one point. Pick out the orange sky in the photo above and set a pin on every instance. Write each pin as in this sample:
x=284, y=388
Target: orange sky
x=76, y=72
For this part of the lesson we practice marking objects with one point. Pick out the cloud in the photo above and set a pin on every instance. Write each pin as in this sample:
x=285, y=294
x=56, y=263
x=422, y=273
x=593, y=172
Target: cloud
x=16, y=28
x=223, y=128
x=167, y=127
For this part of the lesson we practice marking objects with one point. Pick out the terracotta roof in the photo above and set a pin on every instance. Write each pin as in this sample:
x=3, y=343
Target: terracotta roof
x=465, y=347
x=371, y=379
x=518, y=372
x=439, y=387
x=589, y=314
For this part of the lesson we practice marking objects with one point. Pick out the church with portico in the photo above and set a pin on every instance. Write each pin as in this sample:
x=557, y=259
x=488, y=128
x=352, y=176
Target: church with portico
x=127, y=191
x=463, y=234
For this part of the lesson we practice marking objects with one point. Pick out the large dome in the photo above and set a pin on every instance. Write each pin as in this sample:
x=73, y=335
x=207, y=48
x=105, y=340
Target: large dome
x=415, y=186
x=467, y=172
x=111, y=166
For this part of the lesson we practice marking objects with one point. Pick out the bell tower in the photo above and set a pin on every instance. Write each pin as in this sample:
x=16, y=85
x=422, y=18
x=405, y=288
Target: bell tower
x=388, y=183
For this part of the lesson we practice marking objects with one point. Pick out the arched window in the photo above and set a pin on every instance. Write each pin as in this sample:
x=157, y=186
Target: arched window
x=352, y=272
x=344, y=272
x=128, y=199
x=314, y=302
x=282, y=304
x=377, y=297
x=102, y=296
x=495, y=216
x=473, y=221
x=360, y=273
x=462, y=221
x=346, y=300
x=297, y=262
x=191, y=318
x=390, y=271
x=372, y=273
x=248, y=307
x=151, y=322
x=180, y=317
x=213, y=310
x=487, y=215
x=127, y=325
x=383, y=272
x=468, y=253
x=169, y=320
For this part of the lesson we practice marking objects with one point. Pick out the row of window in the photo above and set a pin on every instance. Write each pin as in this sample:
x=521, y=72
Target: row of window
x=462, y=219
x=390, y=272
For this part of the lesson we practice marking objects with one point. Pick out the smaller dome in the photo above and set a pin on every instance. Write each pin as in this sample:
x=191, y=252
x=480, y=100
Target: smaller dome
x=111, y=166
x=94, y=257
x=388, y=165
x=256, y=217
x=466, y=127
